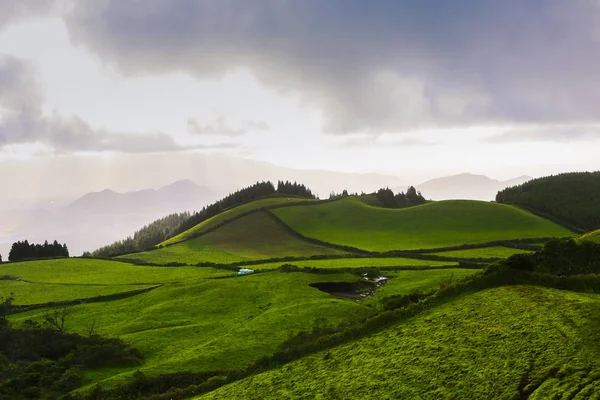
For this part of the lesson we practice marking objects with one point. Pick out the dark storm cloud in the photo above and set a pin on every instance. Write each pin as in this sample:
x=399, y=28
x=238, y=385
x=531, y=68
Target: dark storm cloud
x=22, y=120
x=221, y=127
x=385, y=65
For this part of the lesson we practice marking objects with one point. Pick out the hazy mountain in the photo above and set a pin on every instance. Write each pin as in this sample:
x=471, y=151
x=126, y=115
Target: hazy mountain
x=99, y=218
x=466, y=186
x=178, y=196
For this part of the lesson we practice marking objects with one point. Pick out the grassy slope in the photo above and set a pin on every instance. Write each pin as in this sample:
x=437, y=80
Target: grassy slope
x=37, y=293
x=486, y=252
x=439, y=224
x=458, y=350
x=357, y=263
x=90, y=271
x=210, y=324
x=228, y=215
x=407, y=282
x=253, y=237
x=591, y=236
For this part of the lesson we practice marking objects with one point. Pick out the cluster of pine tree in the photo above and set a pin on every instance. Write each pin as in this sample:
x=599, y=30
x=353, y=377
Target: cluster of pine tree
x=570, y=198
x=150, y=235
x=388, y=199
x=294, y=189
x=24, y=250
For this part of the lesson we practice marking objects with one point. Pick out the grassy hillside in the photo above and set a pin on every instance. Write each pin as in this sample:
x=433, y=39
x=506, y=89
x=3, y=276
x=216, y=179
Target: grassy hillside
x=26, y=293
x=485, y=252
x=358, y=263
x=591, y=236
x=90, y=271
x=252, y=237
x=229, y=215
x=571, y=198
x=207, y=324
x=526, y=342
x=439, y=224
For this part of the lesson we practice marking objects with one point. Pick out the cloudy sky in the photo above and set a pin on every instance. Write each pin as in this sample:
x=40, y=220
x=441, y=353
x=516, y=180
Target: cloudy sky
x=417, y=89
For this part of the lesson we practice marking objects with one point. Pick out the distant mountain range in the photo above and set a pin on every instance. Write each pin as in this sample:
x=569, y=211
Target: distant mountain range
x=179, y=196
x=99, y=218
x=467, y=186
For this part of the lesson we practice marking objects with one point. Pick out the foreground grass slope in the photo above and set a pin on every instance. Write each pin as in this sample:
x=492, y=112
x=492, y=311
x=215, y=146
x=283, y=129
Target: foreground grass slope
x=526, y=342
x=445, y=223
x=228, y=215
x=209, y=324
x=252, y=237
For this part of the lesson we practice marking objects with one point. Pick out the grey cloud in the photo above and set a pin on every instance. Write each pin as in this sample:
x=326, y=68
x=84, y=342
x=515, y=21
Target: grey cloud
x=378, y=66
x=222, y=127
x=22, y=121
x=14, y=10
x=557, y=134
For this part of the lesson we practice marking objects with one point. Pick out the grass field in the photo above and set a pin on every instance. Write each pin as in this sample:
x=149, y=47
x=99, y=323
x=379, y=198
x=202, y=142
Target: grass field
x=486, y=252
x=358, y=263
x=230, y=214
x=90, y=271
x=524, y=340
x=591, y=236
x=26, y=293
x=439, y=224
x=407, y=282
x=253, y=237
x=210, y=324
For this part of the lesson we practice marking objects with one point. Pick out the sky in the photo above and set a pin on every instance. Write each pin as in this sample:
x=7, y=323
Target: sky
x=416, y=89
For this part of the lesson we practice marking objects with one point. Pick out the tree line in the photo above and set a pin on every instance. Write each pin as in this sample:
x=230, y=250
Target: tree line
x=25, y=250
x=388, y=199
x=571, y=198
x=148, y=236
x=174, y=224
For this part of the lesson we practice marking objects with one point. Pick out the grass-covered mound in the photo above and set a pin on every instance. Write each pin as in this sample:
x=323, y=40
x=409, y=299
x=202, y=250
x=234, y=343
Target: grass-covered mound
x=229, y=215
x=591, y=237
x=252, y=237
x=525, y=341
x=350, y=222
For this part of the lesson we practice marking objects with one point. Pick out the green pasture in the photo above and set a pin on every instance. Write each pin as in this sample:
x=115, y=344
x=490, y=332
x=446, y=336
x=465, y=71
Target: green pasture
x=229, y=215
x=407, y=282
x=38, y=293
x=253, y=237
x=504, y=343
x=357, y=263
x=438, y=224
x=484, y=252
x=591, y=236
x=92, y=271
x=211, y=324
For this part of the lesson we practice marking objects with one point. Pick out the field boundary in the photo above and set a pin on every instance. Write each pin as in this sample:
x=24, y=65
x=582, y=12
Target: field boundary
x=16, y=309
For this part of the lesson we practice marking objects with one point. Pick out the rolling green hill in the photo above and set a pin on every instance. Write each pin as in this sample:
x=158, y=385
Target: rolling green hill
x=591, y=236
x=446, y=223
x=526, y=342
x=252, y=237
x=229, y=215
